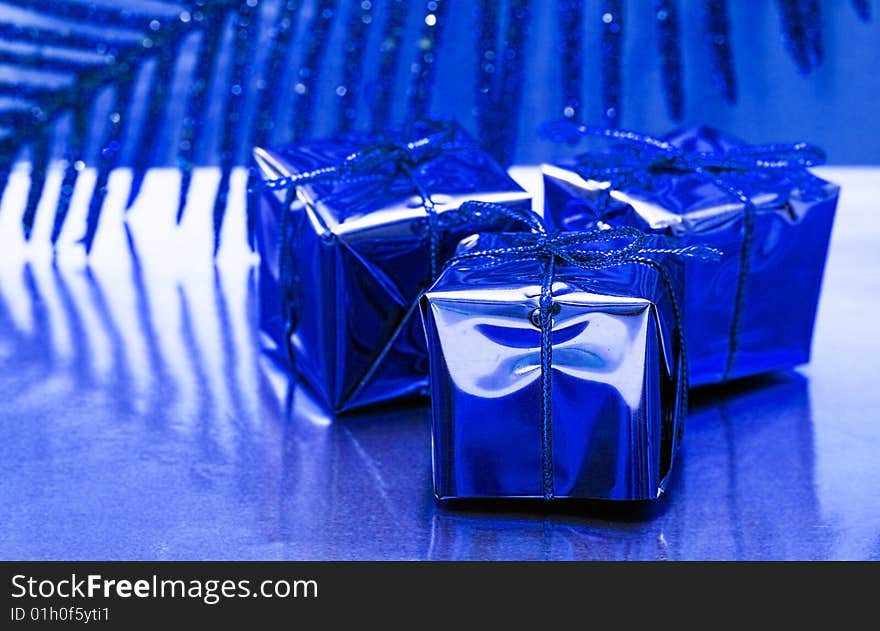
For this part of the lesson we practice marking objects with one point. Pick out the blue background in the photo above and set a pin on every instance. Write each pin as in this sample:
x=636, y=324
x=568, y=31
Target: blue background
x=834, y=106
x=250, y=75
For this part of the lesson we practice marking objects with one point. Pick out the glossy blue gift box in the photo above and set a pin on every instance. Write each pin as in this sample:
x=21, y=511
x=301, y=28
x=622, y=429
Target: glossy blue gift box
x=755, y=311
x=344, y=258
x=601, y=419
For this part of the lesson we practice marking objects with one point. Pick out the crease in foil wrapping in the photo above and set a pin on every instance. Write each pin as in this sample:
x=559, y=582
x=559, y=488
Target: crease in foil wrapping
x=616, y=386
x=358, y=252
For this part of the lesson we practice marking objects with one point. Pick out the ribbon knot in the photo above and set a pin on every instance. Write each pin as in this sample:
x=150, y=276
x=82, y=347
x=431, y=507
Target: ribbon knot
x=586, y=249
x=644, y=153
x=547, y=245
x=377, y=156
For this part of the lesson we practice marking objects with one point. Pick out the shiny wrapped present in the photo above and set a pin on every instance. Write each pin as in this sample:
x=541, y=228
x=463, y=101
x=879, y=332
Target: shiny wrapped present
x=557, y=366
x=759, y=205
x=350, y=231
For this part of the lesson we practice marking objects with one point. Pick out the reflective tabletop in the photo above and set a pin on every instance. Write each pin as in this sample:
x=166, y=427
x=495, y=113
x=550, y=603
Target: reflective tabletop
x=139, y=420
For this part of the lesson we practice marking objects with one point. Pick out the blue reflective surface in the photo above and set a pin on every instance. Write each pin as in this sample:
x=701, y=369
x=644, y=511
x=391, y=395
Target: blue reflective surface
x=139, y=421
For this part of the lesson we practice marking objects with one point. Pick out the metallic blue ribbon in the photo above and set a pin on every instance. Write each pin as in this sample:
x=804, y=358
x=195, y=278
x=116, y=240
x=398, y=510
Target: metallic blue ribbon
x=381, y=161
x=641, y=154
x=640, y=157
x=595, y=249
x=375, y=157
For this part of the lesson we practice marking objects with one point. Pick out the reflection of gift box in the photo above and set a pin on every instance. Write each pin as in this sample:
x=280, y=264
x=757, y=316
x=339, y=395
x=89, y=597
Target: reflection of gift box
x=751, y=467
x=350, y=231
x=562, y=381
x=759, y=205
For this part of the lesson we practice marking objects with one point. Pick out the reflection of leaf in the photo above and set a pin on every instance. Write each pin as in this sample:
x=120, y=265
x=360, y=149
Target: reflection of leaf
x=184, y=83
x=141, y=83
x=61, y=54
x=107, y=84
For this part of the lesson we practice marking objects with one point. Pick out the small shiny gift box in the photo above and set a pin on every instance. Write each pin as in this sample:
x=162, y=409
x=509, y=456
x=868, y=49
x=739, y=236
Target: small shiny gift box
x=758, y=205
x=350, y=230
x=556, y=367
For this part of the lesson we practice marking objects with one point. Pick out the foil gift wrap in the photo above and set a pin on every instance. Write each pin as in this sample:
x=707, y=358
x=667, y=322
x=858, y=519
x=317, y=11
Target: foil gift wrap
x=759, y=205
x=350, y=231
x=557, y=366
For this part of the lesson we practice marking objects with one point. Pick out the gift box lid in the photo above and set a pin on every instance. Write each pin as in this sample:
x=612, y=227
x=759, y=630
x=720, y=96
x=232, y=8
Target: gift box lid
x=686, y=201
x=449, y=167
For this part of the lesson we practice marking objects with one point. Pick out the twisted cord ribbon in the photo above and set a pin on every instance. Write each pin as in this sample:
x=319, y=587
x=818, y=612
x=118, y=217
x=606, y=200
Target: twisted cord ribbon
x=596, y=249
x=640, y=156
x=371, y=159
x=381, y=161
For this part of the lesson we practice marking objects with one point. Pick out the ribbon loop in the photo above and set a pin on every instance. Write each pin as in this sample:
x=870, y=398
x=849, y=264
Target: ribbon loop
x=594, y=249
x=483, y=212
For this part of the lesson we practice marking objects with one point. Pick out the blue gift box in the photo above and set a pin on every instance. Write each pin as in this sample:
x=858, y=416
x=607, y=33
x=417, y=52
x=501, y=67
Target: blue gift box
x=760, y=206
x=557, y=368
x=350, y=231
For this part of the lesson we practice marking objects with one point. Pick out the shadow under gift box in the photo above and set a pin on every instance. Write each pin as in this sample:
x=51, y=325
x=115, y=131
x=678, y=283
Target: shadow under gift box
x=785, y=259
x=616, y=400
x=358, y=255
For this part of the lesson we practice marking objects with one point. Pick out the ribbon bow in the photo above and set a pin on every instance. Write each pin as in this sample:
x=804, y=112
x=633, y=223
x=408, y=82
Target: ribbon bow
x=376, y=157
x=640, y=157
x=596, y=249
x=641, y=153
